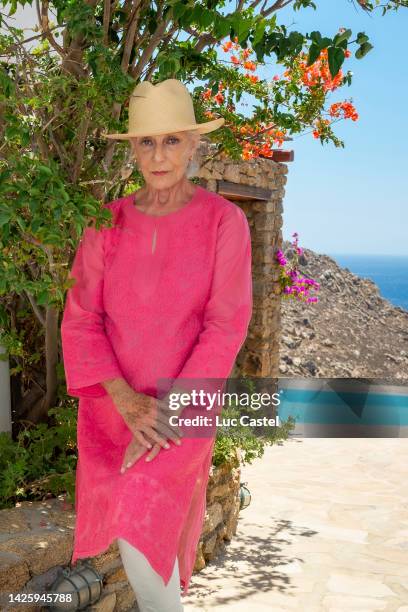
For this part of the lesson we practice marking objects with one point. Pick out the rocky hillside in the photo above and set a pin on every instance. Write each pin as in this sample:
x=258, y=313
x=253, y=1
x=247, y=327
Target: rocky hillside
x=350, y=332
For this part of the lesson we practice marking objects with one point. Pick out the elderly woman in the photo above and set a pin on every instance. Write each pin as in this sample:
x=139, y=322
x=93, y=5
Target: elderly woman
x=163, y=294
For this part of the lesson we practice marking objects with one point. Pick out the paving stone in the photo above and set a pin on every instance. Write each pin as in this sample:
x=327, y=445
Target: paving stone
x=338, y=603
x=358, y=585
x=326, y=531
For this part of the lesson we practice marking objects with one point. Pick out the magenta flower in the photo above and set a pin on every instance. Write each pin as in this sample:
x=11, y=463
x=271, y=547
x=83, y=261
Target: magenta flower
x=294, y=284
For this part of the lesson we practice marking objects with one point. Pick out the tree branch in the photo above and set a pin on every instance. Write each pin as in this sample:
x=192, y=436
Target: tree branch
x=36, y=308
x=279, y=4
x=106, y=21
x=130, y=36
x=81, y=137
x=45, y=25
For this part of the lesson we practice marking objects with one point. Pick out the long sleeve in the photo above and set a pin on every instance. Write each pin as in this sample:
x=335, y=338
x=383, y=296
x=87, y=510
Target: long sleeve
x=229, y=307
x=88, y=355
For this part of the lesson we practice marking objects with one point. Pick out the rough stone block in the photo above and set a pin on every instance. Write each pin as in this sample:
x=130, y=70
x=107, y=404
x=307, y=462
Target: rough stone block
x=213, y=517
x=125, y=600
x=219, y=491
x=199, y=561
x=105, y=604
x=117, y=575
x=40, y=551
x=14, y=571
x=232, y=173
x=209, y=545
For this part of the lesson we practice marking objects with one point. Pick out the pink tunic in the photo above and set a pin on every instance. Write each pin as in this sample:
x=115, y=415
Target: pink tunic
x=155, y=296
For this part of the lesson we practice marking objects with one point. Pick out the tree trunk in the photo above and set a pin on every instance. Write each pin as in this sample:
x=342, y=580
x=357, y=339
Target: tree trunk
x=51, y=357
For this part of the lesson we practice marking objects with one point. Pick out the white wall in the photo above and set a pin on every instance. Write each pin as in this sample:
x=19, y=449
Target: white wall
x=5, y=398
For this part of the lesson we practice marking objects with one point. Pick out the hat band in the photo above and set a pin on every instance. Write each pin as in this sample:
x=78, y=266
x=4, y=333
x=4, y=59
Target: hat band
x=154, y=127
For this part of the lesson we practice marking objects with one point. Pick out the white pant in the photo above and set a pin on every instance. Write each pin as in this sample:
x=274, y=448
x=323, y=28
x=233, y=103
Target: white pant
x=151, y=593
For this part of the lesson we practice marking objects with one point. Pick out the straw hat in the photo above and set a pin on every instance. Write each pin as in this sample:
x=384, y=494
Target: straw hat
x=161, y=109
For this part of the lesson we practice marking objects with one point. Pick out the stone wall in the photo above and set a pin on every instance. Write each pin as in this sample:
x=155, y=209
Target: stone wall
x=259, y=356
x=221, y=519
x=36, y=540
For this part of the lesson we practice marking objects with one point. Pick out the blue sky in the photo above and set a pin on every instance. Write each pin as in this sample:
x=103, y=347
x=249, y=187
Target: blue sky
x=352, y=200
x=355, y=200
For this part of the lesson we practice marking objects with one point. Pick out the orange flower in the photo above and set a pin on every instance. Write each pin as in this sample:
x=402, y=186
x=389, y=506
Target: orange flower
x=319, y=74
x=227, y=46
x=349, y=112
x=249, y=65
x=252, y=77
x=234, y=59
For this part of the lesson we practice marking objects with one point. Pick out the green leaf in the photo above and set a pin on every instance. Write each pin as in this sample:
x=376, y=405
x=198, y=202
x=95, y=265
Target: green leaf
x=42, y=297
x=13, y=7
x=152, y=24
x=259, y=31
x=4, y=218
x=362, y=38
x=241, y=26
x=314, y=53
x=45, y=169
x=222, y=27
x=259, y=49
x=186, y=18
x=5, y=175
x=178, y=10
x=170, y=66
x=316, y=37
x=325, y=42
x=11, y=132
x=341, y=37
x=205, y=17
x=36, y=224
x=21, y=224
x=363, y=50
x=336, y=59
x=52, y=238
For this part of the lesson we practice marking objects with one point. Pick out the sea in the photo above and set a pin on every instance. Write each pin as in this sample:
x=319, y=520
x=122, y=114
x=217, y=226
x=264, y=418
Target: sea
x=389, y=272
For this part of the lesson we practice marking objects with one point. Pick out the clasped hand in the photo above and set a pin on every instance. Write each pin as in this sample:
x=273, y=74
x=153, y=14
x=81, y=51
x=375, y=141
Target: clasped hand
x=148, y=418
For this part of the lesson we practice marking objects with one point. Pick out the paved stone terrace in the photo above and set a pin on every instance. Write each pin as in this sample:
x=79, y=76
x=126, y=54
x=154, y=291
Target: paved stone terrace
x=327, y=530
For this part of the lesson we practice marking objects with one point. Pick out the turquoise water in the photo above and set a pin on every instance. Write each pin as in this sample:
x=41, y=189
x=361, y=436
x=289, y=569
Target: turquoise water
x=351, y=408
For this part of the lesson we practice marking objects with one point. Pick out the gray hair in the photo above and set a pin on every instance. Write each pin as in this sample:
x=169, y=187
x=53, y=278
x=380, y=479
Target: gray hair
x=194, y=165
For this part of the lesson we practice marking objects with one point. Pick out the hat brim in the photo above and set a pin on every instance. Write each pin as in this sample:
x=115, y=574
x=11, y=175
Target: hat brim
x=202, y=128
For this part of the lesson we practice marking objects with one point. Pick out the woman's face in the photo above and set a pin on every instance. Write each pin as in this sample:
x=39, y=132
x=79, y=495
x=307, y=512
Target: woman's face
x=167, y=152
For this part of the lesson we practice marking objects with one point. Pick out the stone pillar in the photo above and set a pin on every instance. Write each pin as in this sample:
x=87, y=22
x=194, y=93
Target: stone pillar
x=259, y=356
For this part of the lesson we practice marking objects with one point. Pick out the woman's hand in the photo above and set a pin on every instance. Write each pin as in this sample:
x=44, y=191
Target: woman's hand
x=146, y=416
x=134, y=451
